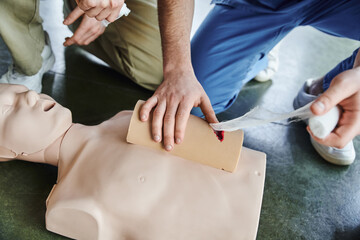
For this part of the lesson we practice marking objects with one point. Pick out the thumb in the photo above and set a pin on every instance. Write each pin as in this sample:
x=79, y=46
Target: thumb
x=339, y=90
x=73, y=16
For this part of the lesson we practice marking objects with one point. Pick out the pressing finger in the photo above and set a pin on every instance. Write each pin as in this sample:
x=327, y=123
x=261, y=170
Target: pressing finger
x=169, y=126
x=182, y=117
x=157, y=121
x=147, y=107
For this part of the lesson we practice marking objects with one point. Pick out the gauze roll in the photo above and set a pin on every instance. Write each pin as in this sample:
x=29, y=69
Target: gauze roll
x=320, y=126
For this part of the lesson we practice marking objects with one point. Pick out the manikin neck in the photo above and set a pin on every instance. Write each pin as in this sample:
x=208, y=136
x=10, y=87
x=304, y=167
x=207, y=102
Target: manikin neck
x=49, y=155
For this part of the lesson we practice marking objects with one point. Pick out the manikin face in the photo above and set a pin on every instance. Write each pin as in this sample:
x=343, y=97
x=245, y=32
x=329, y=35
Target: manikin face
x=30, y=122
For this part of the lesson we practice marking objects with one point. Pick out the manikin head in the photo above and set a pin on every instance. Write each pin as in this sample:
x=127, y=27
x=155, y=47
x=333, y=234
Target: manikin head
x=29, y=122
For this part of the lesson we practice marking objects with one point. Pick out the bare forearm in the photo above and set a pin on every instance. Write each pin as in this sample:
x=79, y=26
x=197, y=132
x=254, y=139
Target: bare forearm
x=180, y=91
x=175, y=20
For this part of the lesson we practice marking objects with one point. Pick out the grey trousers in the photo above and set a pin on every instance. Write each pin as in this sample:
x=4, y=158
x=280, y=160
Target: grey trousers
x=131, y=45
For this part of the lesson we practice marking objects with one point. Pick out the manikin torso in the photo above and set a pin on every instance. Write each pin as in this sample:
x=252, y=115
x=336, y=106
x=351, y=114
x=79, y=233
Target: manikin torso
x=109, y=189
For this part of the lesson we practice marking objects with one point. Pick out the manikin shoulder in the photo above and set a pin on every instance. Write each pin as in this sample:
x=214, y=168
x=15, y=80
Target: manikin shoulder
x=118, y=122
x=62, y=216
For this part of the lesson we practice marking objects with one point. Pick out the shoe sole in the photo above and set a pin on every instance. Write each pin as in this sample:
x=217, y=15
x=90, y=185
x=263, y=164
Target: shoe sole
x=342, y=162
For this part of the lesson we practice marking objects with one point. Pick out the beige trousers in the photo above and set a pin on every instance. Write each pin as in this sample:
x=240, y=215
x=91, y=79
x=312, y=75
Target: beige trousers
x=131, y=45
x=22, y=32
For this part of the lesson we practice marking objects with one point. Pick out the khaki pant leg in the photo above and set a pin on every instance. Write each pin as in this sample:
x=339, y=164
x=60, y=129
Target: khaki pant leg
x=22, y=32
x=131, y=45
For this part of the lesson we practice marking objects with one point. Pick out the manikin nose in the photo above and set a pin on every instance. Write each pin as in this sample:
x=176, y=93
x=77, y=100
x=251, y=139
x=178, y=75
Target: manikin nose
x=32, y=97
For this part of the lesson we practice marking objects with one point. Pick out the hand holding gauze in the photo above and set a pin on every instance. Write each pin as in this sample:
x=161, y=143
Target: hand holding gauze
x=322, y=126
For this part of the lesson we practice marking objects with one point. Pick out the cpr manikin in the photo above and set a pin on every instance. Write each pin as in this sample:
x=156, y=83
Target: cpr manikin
x=109, y=189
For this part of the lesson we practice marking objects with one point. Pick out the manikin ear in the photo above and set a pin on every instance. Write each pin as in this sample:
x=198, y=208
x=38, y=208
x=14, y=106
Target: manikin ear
x=6, y=154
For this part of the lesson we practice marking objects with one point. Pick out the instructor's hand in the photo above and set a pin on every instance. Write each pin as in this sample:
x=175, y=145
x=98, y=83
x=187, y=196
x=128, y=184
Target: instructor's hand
x=344, y=91
x=88, y=30
x=101, y=9
x=172, y=103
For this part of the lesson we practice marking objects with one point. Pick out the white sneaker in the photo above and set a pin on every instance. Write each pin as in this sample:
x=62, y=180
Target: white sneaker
x=32, y=82
x=272, y=67
x=338, y=156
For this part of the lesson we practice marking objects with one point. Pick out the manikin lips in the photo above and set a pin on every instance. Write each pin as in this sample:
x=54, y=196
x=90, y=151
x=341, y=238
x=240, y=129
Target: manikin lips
x=48, y=105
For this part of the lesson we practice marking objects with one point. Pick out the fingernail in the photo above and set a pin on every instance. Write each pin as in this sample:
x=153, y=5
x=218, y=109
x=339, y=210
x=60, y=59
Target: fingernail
x=178, y=140
x=143, y=117
x=157, y=138
x=319, y=106
x=168, y=147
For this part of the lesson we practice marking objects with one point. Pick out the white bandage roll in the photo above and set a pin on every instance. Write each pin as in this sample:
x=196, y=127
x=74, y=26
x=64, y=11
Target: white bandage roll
x=123, y=12
x=321, y=126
